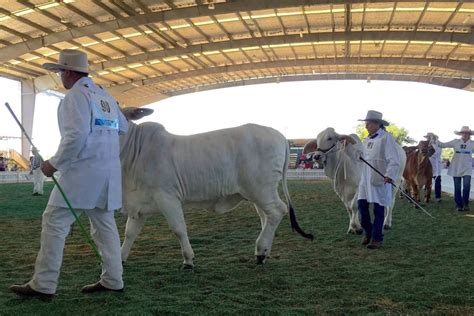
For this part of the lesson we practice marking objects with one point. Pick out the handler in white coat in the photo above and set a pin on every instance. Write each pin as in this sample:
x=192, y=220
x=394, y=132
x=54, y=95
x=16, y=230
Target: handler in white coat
x=435, y=160
x=88, y=159
x=461, y=166
x=380, y=150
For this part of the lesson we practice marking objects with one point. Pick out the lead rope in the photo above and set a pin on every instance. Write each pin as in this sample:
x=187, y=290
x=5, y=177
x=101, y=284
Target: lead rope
x=337, y=169
x=343, y=152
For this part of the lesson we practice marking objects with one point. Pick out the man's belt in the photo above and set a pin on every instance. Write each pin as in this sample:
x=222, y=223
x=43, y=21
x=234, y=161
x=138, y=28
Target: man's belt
x=462, y=152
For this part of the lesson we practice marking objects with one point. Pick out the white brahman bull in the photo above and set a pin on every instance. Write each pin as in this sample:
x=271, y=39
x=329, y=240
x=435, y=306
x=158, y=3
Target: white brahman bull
x=217, y=170
x=342, y=165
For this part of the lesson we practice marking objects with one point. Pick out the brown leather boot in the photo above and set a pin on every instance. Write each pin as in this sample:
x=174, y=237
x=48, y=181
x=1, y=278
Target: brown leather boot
x=97, y=287
x=25, y=290
x=374, y=244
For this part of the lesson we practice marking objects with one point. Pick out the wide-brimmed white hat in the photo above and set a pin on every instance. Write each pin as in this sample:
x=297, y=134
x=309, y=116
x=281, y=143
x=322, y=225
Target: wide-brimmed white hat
x=70, y=59
x=464, y=129
x=375, y=116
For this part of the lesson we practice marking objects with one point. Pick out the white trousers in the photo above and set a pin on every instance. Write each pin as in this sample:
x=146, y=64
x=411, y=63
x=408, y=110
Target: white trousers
x=56, y=224
x=38, y=180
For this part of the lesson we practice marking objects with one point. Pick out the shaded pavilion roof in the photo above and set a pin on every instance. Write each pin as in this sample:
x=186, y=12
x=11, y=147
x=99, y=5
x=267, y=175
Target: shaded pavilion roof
x=144, y=51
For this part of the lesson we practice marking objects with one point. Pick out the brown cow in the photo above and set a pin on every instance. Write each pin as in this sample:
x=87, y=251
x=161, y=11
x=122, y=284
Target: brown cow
x=418, y=173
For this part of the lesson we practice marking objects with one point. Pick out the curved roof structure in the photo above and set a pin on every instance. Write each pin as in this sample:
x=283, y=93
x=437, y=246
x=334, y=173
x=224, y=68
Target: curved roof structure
x=145, y=50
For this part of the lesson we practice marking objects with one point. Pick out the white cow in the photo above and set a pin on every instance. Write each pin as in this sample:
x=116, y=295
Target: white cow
x=342, y=165
x=217, y=170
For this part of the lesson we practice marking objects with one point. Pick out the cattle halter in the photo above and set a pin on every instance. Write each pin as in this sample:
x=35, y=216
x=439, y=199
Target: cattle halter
x=325, y=151
x=88, y=239
x=398, y=188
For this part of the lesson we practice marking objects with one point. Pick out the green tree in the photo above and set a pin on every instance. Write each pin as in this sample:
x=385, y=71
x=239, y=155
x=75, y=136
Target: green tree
x=447, y=153
x=399, y=133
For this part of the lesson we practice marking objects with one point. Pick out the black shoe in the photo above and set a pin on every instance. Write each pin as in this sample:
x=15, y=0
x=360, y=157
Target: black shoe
x=25, y=290
x=466, y=208
x=97, y=287
x=459, y=209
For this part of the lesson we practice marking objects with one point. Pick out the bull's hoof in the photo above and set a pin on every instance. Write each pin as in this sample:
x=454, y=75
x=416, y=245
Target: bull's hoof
x=187, y=267
x=359, y=231
x=261, y=259
x=387, y=227
x=123, y=263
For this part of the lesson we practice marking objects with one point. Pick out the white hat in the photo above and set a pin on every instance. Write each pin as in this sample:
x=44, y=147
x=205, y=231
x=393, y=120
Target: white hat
x=464, y=129
x=430, y=135
x=375, y=116
x=70, y=59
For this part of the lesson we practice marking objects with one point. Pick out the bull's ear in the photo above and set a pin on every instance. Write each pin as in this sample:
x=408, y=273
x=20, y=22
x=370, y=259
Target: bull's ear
x=133, y=114
x=310, y=147
x=348, y=138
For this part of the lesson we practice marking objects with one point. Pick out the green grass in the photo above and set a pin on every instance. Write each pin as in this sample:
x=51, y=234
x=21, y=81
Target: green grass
x=425, y=266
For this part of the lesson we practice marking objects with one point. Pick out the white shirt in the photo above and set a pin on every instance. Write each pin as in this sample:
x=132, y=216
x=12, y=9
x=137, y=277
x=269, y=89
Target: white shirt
x=382, y=153
x=461, y=165
x=435, y=160
x=88, y=154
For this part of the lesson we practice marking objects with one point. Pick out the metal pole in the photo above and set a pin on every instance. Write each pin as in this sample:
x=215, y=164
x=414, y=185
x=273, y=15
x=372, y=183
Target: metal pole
x=86, y=235
x=395, y=186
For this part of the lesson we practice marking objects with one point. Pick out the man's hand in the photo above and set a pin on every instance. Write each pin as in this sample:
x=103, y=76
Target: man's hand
x=387, y=180
x=47, y=169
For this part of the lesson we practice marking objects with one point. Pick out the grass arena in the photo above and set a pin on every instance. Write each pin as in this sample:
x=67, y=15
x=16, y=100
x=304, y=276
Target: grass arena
x=424, y=267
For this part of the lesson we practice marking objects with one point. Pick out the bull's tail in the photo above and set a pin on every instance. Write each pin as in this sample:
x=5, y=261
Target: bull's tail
x=294, y=222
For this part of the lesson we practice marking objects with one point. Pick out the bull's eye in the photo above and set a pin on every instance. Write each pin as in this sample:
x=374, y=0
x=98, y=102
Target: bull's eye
x=330, y=138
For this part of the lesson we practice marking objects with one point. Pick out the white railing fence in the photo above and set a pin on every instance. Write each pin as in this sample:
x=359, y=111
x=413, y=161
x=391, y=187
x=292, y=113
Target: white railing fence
x=15, y=176
x=306, y=174
x=293, y=174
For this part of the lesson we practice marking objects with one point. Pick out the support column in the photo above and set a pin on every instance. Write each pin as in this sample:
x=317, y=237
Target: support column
x=28, y=98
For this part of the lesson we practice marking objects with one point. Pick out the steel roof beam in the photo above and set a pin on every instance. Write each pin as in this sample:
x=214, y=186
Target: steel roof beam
x=276, y=40
x=463, y=67
x=448, y=82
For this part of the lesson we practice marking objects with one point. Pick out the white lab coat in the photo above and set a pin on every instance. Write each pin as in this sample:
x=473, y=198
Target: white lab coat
x=381, y=152
x=88, y=154
x=461, y=165
x=435, y=160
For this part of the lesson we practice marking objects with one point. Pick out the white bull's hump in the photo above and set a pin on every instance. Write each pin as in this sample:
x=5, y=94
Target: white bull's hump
x=224, y=162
